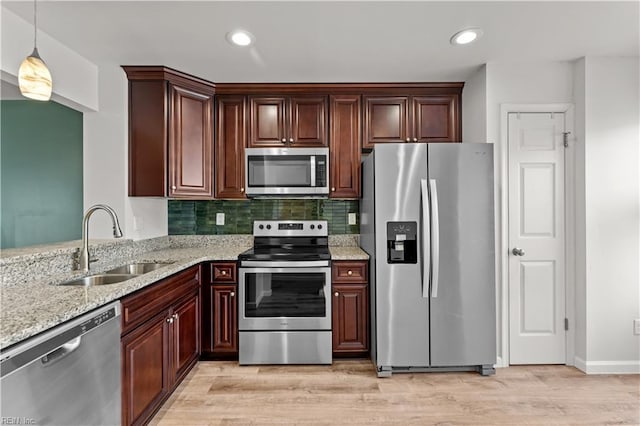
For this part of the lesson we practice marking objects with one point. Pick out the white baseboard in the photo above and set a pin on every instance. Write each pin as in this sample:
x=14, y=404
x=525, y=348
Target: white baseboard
x=608, y=367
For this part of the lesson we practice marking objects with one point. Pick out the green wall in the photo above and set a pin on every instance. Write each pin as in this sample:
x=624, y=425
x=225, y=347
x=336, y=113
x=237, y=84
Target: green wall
x=199, y=217
x=41, y=173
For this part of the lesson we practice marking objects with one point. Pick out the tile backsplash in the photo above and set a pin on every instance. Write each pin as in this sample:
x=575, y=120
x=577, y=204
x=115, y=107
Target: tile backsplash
x=199, y=217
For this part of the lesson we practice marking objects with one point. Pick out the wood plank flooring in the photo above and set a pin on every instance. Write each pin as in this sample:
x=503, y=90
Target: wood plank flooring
x=349, y=393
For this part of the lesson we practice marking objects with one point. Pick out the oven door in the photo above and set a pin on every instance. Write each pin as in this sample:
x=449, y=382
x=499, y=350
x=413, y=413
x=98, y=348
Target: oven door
x=275, y=298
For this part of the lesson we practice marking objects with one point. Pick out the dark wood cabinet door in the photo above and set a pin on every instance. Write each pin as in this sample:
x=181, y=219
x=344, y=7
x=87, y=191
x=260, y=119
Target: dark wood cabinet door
x=350, y=319
x=386, y=119
x=225, y=319
x=145, y=381
x=308, y=118
x=186, y=336
x=436, y=119
x=231, y=138
x=267, y=122
x=190, y=143
x=345, y=140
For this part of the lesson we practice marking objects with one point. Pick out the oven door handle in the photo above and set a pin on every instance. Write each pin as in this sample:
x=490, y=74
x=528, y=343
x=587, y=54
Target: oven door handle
x=270, y=270
x=290, y=264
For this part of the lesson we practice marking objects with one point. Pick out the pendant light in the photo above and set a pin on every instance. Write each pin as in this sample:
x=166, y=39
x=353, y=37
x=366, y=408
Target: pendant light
x=34, y=77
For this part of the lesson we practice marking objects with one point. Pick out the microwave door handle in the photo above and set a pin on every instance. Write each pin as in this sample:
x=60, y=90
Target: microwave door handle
x=312, y=161
x=426, y=238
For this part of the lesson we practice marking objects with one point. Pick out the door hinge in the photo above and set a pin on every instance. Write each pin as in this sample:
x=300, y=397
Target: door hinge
x=565, y=139
x=566, y=324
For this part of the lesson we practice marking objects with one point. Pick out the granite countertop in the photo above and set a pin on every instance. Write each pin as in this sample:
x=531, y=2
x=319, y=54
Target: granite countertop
x=36, y=306
x=348, y=253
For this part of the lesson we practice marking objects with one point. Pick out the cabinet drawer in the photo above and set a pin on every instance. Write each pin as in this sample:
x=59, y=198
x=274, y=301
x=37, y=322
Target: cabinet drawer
x=349, y=271
x=223, y=272
x=148, y=302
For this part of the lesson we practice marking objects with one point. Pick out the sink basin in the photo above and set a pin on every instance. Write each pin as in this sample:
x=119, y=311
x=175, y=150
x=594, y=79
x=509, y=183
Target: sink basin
x=101, y=279
x=137, y=268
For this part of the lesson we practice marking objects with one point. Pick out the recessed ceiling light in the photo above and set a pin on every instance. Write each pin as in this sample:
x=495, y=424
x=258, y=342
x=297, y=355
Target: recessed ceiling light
x=240, y=38
x=466, y=36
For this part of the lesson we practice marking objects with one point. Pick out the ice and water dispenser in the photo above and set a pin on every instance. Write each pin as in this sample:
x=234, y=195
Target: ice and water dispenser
x=402, y=244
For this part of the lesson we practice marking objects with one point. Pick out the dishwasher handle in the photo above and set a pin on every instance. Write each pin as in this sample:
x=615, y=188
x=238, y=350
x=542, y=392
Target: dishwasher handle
x=64, y=350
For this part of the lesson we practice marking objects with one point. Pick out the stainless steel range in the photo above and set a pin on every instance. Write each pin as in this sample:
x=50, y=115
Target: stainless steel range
x=284, y=306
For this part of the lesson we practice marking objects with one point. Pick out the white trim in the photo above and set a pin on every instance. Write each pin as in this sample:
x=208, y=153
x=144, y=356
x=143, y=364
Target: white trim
x=608, y=367
x=503, y=246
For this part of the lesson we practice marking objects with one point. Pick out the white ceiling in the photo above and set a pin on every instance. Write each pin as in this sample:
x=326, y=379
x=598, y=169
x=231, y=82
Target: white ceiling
x=335, y=41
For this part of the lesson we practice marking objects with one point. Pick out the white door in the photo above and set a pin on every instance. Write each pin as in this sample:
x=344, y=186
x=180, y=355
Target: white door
x=536, y=238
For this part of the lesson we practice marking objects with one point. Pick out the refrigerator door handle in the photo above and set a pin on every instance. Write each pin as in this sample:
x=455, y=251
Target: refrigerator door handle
x=426, y=238
x=435, y=237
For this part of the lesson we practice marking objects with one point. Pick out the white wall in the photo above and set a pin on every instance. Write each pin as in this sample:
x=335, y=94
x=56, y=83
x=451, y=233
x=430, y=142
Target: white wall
x=517, y=83
x=474, y=107
x=580, y=216
x=105, y=165
x=75, y=79
x=612, y=205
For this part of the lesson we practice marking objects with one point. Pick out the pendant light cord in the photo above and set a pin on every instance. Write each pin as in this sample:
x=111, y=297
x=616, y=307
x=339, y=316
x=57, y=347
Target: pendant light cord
x=35, y=23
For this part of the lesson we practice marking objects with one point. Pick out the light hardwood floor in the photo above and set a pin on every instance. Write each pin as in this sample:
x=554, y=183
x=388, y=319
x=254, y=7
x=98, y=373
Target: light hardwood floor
x=348, y=392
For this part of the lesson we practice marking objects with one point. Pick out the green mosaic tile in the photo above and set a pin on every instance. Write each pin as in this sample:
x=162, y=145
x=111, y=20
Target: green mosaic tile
x=199, y=217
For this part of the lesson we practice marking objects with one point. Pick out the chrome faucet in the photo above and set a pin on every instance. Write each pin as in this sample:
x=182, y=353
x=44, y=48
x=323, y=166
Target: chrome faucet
x=83, y=256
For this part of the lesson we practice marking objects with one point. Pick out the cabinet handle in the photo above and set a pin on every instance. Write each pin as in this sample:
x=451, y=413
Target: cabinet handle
x=333, y=189
x=174, y=187
x=415, y=139
x=233, y=293
x=336, y=294
x=349, y=272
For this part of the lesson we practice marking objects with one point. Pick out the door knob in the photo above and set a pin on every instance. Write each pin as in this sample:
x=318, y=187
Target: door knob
x=517, y=251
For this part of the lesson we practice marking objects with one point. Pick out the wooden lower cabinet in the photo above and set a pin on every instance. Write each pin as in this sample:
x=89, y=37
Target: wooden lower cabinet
x=350, y=305
x=220, y=312
x=160, y=343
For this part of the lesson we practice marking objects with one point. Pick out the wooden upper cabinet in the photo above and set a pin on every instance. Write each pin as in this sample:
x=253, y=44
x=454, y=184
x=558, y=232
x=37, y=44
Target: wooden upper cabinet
x=190, y=141
x=423, y=118
x=170, y=133
x=344, y=148
x=231, y=138
x=267, y=122
x=435, y=119
x=279, y=121
x=386, y=119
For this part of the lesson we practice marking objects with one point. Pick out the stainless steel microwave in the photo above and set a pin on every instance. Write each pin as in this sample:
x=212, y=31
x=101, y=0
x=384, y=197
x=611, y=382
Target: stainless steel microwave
x=287, y=172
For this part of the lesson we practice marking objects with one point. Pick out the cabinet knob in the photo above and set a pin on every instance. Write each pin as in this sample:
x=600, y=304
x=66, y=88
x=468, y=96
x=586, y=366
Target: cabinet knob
x=333, y=189
x=284, y=140
x=175, y=316
x=349, y=272
x=415, y=139
x=170, y=320
x=241, y=189
x=233, y=293
x=336, y=294
x=290, y=139
x=408, y=139
x=223, y=272
x=174, y=187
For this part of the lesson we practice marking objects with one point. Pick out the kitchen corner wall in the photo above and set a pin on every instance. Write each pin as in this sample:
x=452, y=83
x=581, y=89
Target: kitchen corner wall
x=199, y=217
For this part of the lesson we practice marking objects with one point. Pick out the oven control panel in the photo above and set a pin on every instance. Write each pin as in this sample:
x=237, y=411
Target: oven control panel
x=290, y=228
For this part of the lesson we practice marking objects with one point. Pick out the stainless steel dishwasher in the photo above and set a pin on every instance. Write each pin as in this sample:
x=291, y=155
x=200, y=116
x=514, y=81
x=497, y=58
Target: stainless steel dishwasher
x=69, y=375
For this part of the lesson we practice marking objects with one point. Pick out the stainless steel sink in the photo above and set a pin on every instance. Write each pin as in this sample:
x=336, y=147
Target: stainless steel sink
x=100, y=279
x=137, y=268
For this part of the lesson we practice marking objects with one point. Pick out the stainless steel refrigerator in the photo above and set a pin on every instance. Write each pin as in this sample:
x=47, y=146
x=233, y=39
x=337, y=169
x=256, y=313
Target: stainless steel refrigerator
x=427, y=222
